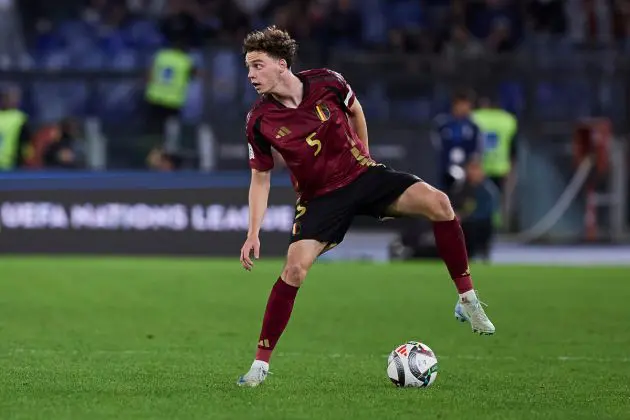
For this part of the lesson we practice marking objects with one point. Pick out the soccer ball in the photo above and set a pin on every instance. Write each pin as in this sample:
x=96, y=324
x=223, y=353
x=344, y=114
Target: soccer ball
x=412, y=364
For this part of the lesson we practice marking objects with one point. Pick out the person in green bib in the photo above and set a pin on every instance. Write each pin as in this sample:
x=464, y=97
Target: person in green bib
x=168, y=81
x=499, y=129
x=14, y=132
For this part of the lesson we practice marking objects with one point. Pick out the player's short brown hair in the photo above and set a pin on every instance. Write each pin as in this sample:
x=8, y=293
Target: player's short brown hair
x=273, y=41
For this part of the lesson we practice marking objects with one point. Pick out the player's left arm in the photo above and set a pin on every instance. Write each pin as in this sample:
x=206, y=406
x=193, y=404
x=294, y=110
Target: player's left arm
x=351, y=106
x=358, y=122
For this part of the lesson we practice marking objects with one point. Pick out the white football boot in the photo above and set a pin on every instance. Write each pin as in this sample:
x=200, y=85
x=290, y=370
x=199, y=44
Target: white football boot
x=256, y=375
x=469, y=308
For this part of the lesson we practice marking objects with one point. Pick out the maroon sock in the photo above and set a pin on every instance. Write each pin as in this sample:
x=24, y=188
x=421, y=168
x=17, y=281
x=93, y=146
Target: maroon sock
x=277, y=314
x=449, y=239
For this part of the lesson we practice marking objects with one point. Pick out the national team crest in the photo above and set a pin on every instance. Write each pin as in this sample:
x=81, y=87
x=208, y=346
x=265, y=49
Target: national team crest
x=322, y=111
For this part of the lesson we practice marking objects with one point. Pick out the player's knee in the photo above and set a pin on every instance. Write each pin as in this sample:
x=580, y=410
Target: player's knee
x=441, y=208
x=295, y=274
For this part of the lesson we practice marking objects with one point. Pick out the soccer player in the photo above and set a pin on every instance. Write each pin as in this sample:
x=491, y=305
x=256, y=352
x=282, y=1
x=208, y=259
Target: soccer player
x=314, y=120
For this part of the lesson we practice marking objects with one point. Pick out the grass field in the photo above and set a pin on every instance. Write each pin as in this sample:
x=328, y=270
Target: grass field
x=167, y=339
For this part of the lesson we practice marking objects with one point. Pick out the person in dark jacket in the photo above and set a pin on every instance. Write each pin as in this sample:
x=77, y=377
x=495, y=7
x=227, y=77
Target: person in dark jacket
x=64, y=153
x=475, y=202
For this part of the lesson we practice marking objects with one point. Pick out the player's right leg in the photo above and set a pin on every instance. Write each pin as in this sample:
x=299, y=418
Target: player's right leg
x=300, y=258
x=393, y=194
x=421, y=199
x=319, y=224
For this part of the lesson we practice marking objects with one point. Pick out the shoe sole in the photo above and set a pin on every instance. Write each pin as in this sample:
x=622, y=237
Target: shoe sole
x=247, y=384
x=475, y=331
x=482, y=332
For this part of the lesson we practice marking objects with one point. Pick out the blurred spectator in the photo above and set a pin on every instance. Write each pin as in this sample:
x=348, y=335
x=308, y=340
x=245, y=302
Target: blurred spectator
x=500, y=39
x=251, y=7
x=446, y=19
x=408, y=28
x=94, y=10
x=234, y=22
x=150, y=8
x=12, y=45
x=344, y=25
x=621, y=16
x=499, y=131
x=65, y=151
x=498, y=22
x=113, y=18
x=299, y=18
x=475, y=202
x=179, y=24
x=168, y=84
x=160, y=160
x=462, y=45
x=590, y=21
x=548, y=16
x=457, y=139
x=44, y=136
x=209, y=20
x=14, y=131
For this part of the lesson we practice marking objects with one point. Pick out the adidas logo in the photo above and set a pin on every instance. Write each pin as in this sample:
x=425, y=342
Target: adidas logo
x=282, y=131
x=466, y=273
x=264, y=343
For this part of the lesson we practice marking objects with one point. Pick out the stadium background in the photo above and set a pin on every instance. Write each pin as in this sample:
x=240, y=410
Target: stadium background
x=553, y=64
x=122, y=337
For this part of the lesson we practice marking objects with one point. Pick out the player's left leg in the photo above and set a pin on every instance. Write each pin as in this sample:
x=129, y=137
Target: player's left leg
x=421, y=199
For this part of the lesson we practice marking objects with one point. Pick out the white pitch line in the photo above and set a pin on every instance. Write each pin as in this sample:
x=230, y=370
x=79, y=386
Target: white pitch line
x=20, y=351
x=474, y=357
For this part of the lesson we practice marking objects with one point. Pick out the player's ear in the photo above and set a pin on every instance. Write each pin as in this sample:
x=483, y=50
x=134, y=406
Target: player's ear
x=283, y=65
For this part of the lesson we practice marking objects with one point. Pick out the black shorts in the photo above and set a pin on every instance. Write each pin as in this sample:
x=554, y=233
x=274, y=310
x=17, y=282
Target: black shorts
x=327, y=218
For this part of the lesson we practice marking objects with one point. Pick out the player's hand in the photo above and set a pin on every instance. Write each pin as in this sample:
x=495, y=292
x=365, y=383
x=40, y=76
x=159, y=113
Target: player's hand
x=251, y=245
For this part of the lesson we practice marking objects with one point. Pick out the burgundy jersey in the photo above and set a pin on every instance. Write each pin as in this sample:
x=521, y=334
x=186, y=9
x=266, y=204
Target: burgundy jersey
x=316, y=140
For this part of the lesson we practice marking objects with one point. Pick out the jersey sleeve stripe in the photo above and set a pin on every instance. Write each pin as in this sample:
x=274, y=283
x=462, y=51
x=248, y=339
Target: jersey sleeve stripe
x=348, y=97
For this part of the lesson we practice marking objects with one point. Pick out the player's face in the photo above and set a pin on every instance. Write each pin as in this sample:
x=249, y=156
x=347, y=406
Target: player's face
x=475, y=173
x=263, y=71
x=462, y=108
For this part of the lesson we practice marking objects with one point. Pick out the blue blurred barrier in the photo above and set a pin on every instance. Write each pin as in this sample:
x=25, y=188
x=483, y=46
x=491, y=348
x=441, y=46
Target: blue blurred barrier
x=137, y=213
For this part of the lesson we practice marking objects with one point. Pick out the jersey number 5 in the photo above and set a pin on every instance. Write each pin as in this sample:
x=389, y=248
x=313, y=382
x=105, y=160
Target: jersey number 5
x=314, y=143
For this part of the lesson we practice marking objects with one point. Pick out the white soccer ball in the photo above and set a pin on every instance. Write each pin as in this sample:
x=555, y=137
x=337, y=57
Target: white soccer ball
x=412, y=364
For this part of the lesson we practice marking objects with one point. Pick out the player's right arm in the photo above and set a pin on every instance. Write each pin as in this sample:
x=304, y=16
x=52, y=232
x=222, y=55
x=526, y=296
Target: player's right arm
x=261, y=163
x=258, y=196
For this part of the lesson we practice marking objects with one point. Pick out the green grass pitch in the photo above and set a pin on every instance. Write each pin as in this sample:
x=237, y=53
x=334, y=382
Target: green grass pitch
x=126, y=339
